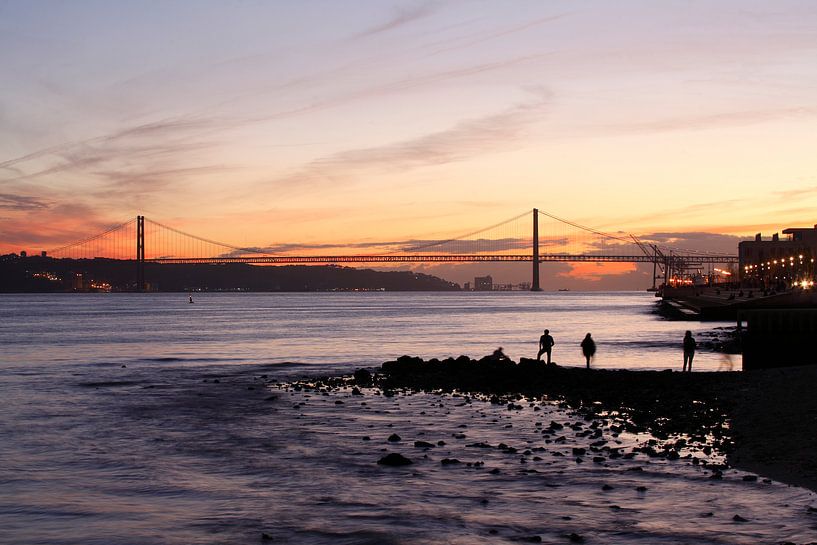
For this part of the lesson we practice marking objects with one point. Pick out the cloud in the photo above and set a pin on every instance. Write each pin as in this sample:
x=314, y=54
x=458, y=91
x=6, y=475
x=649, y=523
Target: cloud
x=42, y=229
x=137, y=162
x=466, y=139
x=476, y=38
x=9, y=201
x=709, y=121
x=402, y=17
x=696, y=241
x=164, y=137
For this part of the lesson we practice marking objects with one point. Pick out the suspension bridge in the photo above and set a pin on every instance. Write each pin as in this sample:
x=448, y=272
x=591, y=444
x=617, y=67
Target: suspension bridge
x=536, y=237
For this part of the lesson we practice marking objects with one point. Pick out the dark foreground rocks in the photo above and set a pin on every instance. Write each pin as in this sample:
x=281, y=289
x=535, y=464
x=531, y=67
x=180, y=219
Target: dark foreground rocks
x=394, y=459
x=765, y=421
x=664, y=403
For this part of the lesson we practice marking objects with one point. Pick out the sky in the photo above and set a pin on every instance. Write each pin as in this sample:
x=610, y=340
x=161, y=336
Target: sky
x=286, y=123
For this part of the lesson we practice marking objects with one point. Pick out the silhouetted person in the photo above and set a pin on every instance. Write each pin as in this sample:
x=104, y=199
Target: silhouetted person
x=190, y=300
x=499, y=355
x=588, y=348
x=546, y=343
x=689, y=350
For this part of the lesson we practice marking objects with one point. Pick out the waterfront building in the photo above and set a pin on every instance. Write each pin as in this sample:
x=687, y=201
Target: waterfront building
x=483, y=283
x=776, y=263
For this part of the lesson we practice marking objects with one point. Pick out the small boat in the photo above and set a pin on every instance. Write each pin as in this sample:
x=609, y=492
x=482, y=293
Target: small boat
x=564, y=289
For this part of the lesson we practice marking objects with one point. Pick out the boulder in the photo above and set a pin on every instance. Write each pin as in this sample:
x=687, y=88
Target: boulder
x=394, y=459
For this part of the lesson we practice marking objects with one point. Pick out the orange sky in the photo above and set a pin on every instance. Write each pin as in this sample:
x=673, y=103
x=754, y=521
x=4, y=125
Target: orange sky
x=271, y=124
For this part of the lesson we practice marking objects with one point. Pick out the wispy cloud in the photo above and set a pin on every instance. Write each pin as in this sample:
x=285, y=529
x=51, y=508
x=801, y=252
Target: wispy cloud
x=10, y=201
x=401, y=17
x=710, y=121
x=466, y=139
x=475, y=38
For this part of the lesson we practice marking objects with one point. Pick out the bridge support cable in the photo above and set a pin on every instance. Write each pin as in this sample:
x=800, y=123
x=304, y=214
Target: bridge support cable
x=506, y=236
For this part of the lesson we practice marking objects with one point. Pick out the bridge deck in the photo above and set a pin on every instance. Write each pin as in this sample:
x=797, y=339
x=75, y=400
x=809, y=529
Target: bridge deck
x=303, y=260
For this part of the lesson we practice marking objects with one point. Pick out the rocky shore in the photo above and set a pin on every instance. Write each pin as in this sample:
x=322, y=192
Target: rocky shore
x=762, y=421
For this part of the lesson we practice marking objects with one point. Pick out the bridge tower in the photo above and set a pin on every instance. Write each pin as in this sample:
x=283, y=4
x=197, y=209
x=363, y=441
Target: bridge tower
x=140, y=253
x=534, y=286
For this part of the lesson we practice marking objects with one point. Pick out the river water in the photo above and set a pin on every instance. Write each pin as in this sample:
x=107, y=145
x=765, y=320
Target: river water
x=141, y=419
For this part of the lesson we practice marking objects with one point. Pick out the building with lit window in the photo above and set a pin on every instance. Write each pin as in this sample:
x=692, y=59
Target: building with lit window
x=483, y=283
x=778, y=263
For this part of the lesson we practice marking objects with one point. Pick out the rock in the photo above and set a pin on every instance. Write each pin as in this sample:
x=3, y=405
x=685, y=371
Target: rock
x=494, y=471
x=366, y=438
x=575, y=538
x=531, y=539
x=363, y=377
x=338, y=402
x=641, y=489
x=266, y=537
x=449, y=461
x=394, y=459
x=440, y=443
x=423, y=444
x=606, y=487
x=738, y=518
x=394, y=438
x=356, y=391
x=578, y=451
x=599, y=459
x=750, y=478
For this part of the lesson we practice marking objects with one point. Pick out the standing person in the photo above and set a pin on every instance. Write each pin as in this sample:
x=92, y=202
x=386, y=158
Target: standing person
x=689, y=350
x=588, y=348
x=546, y=343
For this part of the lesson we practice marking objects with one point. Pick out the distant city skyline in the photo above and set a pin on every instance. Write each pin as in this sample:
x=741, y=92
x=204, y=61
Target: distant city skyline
x=322, y=122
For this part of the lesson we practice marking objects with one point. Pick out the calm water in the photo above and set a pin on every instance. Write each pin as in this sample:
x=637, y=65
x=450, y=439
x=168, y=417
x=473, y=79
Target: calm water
x=338, y=328
x=114, y=431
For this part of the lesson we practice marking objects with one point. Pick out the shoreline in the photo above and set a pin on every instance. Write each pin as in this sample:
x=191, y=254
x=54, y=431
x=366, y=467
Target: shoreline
x=762, y=421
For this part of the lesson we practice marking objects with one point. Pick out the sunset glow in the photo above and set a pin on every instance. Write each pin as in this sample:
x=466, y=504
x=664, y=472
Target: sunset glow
x=351, y=123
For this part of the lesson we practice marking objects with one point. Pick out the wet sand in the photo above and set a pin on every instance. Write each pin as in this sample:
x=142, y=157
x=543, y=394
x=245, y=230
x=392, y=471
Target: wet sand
x=763, y=421
x=774, y=424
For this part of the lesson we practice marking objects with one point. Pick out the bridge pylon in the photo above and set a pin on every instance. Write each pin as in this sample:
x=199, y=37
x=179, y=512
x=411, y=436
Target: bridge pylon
x=140, y=253
x=534, y=285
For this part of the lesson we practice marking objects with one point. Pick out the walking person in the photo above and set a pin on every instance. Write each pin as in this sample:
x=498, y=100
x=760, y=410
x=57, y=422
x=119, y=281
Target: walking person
x=588, y=348
x=689, y=351
x=546, y=343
